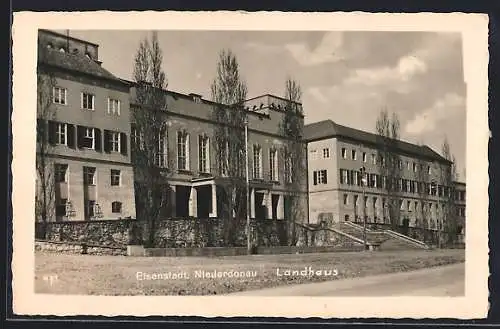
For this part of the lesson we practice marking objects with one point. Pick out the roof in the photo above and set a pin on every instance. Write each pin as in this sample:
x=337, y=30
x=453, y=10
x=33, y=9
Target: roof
x=68, y=37
x=74, y=62
x=328, y=129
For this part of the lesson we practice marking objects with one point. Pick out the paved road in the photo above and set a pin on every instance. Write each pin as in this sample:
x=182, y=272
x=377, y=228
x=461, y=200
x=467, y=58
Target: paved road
x=439, y=281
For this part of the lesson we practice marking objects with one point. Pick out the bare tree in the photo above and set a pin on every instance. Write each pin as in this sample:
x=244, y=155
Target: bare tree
x=45, y=196
x=449, y=175
x=229, y=92
x=294, y=155
x=388, y=162
x=151, y=163
x=422, y=177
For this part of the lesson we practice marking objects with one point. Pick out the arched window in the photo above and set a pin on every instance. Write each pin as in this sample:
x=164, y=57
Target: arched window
x=116, y=207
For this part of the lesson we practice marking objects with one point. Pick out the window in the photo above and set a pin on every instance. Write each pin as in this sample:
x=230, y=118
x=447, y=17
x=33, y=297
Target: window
x=137, y=137
x=364, y=156
x=429, y=170
x=407, y=165
x=257, y=162
x=314, y=155
x=353, y=154
x=61, y=171
x=59, y=95
x=343, y=176
x=320, y=177
x=326, y=153
x=356, y=197
x=400, y=164
x=408, y=206
x=161, y=153
x=61, y=207
x=346, y=199
x=115, y=141
x=182, y=150
x=113, y=106
x=374, y=159
x=89, y=175
x=344, y=153
x=115, y=177
x=88, y=139
x=273, y=164
x=90, y=206
x=356, y=178
x=204, y=154
x=414, y=167
x=116, y=207
x=61, y=134
x=408, y=186
x=87, y=101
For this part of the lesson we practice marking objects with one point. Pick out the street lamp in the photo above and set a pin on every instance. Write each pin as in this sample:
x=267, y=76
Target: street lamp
x=363, y=182
x=249, y=247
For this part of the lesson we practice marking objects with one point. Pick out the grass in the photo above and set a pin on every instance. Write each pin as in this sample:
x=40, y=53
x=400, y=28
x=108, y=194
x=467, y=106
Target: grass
x=116, y=275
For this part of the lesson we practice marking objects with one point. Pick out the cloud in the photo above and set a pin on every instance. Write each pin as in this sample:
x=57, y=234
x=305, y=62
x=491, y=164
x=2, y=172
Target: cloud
x=409, y=66
x=406, y=68
x=329, y=50
x=428, y=119
x=318, y=94
x=263, y=48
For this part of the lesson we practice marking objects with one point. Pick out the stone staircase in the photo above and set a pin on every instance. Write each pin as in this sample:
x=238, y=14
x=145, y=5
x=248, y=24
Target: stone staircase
x=384, y=239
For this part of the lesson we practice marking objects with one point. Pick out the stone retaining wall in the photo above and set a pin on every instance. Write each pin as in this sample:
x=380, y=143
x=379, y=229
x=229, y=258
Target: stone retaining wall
x=73, y=248
x=191, y=233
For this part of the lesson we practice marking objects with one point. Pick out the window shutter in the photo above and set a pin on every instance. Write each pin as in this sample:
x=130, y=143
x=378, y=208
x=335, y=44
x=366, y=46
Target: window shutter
x=123, y=143
x=79, y=136
x=260, y=162
x=52, y=132
x=107, y=141
x=109, y=106
x=315, y=178
x=208, y=155
x=98, y=139
x=188, y=159
x=71, y=136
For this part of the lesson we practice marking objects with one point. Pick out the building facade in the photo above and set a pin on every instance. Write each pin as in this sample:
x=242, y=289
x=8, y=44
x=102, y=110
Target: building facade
x=187, y=145
x=336, y=155
x=83, y=134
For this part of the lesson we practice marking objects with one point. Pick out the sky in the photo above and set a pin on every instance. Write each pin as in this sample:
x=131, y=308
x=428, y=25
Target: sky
x=348, y=77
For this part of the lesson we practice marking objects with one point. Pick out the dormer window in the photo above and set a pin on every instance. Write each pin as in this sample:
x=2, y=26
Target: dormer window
x=62, y=50
x=196, y=98
x=49, y=46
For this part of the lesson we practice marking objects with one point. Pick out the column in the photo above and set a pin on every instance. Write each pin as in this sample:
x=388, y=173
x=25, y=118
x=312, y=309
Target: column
x=193, y=207
x=269, y=205
x=214, y=201
x=252, y=203
x=281, y=207
x=173, y=201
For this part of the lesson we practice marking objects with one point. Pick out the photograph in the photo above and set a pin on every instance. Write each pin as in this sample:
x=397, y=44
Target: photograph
x=302, y=162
